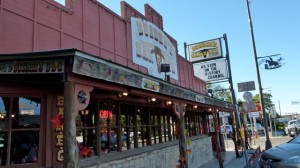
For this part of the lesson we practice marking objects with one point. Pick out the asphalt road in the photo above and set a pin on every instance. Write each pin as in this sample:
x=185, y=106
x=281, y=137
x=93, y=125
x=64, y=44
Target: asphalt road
x=275, y=140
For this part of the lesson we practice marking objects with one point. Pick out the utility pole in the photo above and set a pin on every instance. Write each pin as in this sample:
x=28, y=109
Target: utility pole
x=268, y=144
x=279, y=107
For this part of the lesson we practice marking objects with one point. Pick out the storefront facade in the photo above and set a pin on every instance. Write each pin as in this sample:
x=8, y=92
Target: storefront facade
x=93, y=103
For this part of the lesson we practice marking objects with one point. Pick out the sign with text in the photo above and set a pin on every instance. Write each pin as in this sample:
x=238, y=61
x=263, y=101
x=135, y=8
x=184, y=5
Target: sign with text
x=249, y=106
x=254, y=114
x=210, y=71
x=246, y=86
x=98, y=68
x=32, y=67
x=151, y=48
x=206, y=50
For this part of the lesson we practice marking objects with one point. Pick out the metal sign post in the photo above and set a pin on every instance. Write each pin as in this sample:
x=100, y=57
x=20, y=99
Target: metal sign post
x=237, y=114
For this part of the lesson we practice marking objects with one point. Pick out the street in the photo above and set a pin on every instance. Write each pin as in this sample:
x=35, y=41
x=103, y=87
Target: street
x=260, y=141
x=275, y=140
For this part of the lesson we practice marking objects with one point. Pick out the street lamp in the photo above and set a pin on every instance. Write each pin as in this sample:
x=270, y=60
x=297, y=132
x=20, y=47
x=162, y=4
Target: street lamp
x=268, y=144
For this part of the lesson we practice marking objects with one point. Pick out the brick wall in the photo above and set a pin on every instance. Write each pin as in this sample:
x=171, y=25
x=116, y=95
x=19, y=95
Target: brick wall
x=87, y=25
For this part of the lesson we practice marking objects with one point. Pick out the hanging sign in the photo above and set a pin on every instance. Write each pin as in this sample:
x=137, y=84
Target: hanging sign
x=82, y=95
x=210, y=71
x=271, y=62
x=176, y=108
x=179, y=108
x=246, y=86
x=206, y=50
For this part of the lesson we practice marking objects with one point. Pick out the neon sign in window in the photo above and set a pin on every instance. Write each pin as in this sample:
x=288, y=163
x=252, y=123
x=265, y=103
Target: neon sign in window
x=105, y=113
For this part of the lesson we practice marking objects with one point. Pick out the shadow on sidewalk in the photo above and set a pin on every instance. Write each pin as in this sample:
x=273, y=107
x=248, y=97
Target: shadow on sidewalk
x=231, y=161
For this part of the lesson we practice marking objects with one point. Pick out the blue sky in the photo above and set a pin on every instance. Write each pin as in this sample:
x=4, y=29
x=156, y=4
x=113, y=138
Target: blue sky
x=276, y=28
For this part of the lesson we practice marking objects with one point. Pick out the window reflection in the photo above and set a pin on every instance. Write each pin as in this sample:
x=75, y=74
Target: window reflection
x=107, y=127
x=3, y=148
x=26, y=113
x=19, y=123
x=86, y=131
x=108, y=136
x=4, y=106
x=24, y=147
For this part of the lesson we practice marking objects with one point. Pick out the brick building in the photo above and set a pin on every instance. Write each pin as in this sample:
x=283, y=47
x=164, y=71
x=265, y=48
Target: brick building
x=84, y=85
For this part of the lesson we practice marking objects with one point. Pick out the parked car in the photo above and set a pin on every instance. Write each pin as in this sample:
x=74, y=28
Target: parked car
x=227, y=129
x=292, y=127
x=259, y=128
x=286, y=131
x=284, y=155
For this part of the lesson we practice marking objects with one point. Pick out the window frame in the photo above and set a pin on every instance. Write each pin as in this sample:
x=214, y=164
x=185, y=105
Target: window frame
x=10, y=130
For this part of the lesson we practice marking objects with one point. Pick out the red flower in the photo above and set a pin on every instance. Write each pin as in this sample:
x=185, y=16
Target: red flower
x=57, y=121
x=91, y=154
x=84, y=151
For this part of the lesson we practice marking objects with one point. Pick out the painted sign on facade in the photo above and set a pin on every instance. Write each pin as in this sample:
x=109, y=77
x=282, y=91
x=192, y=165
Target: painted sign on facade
x=210, y=71
x=200, y=99
x=150, y=85
x=151, y=48
x=206, y=50
x=101, y=69
x=59, y=131
x=32, y=67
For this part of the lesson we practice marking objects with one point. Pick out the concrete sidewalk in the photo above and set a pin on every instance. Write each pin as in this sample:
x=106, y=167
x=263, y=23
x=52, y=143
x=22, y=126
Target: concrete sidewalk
x=231, y=161
x=234, y=162
x=258, y=145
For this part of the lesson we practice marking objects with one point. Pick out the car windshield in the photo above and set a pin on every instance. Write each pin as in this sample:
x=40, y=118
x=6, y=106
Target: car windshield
x=228, y=127
x=295, y=140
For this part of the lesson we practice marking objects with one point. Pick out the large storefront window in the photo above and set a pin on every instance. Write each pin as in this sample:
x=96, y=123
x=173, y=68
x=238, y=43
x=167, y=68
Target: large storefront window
x=110, y=126
x=20, y=130
x=108, y=116
x=195, y=123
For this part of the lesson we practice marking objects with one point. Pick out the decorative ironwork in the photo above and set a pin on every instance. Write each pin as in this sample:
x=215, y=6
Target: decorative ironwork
x=271, y=62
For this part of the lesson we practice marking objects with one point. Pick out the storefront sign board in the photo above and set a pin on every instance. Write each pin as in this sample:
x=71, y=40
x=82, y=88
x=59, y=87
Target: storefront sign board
x=151, y=47
x=205, y=50
x=212, y=70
